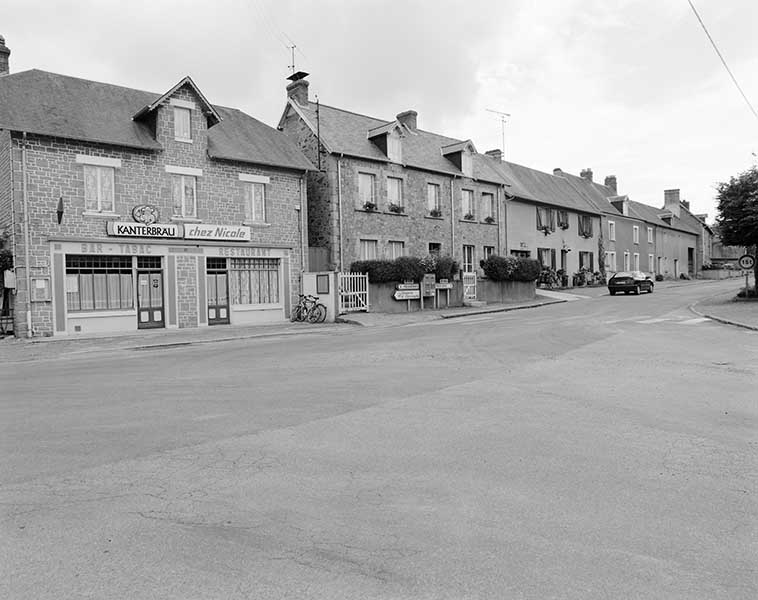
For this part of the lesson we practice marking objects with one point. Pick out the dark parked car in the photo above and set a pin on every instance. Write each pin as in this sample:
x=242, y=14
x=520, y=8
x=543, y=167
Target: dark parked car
x=630, y=281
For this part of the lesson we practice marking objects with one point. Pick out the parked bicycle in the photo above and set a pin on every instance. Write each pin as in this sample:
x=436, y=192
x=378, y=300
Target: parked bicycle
x=309, y=309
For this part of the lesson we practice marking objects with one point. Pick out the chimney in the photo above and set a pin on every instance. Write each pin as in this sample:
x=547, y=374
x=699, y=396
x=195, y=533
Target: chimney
x=671, y=202
x=558, y=172
x=586, y=174
x=4, y=54
x=298, y=89
x=496, y=154
x=408, y=118
x=686, y=204
x=610, y=182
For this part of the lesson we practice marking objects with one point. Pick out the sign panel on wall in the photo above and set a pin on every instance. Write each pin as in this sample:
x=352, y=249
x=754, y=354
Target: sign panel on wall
x=228, y=233
x=156, y=230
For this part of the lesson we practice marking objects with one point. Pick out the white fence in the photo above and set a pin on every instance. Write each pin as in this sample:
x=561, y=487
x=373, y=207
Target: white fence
x=353, y=292
x=469, y=286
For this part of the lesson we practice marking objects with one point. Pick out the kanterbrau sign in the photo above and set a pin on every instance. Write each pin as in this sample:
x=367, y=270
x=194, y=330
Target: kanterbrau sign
x=193, y=231
x=156, y=230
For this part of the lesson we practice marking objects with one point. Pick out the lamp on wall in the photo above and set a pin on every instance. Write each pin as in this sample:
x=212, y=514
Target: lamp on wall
x=59, y=211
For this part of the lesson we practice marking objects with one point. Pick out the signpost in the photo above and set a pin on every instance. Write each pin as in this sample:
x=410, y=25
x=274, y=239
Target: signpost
x=747, y=262
x=407, y=291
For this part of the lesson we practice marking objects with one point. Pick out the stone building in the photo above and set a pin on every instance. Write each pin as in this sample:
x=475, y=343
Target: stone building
x=127, y=210
x=386, y=188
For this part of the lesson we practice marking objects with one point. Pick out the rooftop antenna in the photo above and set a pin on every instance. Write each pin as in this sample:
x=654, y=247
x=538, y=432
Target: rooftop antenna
x=502, y=124
x=292, y=66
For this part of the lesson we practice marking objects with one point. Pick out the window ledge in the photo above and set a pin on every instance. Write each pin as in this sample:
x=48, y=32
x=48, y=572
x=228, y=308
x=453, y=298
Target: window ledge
x=472, y=221
x=435, y=218
x=183, y=140
x=363, y=210
x=483, y=222
x=178, y=219
x=101, y=214
x=89, y=314
x=395, y=214
x=256, y=223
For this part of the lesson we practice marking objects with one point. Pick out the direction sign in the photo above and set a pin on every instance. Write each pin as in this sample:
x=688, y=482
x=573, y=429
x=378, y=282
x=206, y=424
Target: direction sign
x=746, y=262
x=407, y=294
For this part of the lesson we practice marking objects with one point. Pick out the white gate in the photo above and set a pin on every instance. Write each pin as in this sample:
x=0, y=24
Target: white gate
x=469, y=286
x=353, y=292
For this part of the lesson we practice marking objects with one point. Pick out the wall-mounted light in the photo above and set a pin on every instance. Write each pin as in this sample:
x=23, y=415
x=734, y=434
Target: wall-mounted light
x=59, y=211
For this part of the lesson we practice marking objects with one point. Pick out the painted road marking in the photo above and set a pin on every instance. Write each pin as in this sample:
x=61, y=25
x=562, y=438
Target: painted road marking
x=694, y=321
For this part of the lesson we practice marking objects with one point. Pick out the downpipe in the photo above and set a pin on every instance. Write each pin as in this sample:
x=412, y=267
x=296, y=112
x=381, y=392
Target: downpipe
x=27, y=264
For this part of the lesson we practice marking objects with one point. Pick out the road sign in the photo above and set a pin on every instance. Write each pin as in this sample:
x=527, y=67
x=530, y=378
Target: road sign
x=407, y=286
x=407, y=294
x=444, y=286
x=746, y=262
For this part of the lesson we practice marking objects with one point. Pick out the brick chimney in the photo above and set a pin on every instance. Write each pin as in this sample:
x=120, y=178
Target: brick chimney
x=496, y=154
x=586, y=174
x=4, y=54
x=298, y=89
x=409, y=118
x=671, y=202
x=610, y=182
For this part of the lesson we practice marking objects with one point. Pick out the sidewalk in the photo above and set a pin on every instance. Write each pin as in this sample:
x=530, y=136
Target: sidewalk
x=727, y=308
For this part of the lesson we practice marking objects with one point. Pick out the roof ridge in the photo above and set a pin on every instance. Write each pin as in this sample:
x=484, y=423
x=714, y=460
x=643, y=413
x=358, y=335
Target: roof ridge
x=350, y=112
x=113, y=85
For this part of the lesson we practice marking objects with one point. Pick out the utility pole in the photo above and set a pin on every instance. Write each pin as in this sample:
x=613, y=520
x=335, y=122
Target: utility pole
x=502, y=115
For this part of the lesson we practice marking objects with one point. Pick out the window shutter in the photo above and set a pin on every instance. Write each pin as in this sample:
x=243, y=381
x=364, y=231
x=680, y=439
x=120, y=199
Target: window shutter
x=552, y=258
x=539, y=218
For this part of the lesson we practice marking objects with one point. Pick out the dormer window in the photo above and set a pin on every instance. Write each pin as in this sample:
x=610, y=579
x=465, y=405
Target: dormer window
x=394, y=147
x=467, y=164
x=182, y=131
x=461, y=154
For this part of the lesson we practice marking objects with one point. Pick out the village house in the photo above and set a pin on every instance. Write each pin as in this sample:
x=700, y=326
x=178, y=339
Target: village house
x=386, y=188
x=127, y=210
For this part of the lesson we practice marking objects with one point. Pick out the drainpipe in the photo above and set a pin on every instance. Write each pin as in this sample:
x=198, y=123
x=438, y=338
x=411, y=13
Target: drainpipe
x=339, y=207
x=452, y=217
x=27, y=268
x=303, y=224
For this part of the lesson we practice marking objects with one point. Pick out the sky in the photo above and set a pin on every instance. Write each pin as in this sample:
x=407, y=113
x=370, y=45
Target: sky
x=631, y=88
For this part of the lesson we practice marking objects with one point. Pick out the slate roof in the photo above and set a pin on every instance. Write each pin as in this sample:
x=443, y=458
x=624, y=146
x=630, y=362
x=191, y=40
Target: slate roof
x=345, y=132
x=49, y=104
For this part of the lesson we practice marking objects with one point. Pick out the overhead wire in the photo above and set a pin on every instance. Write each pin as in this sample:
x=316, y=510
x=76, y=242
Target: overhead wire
x=723, y=61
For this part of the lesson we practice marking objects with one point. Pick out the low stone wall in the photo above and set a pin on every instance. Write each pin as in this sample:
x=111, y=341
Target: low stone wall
x=493, y=292
x=719, y=274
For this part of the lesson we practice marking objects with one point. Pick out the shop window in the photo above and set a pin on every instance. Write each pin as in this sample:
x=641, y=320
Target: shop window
x=254, y=280
x=99, y=283
x=185, y=195
x=98, y=188
x=255, y=203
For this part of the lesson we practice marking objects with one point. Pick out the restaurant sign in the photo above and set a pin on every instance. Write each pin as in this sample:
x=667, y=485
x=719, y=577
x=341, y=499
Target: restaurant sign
x=154, y=230
x=229, y=233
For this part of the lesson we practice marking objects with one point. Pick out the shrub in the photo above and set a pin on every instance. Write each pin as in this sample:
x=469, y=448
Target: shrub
x=751, y=293
x=683, y=276
x=446, y=267
x=659, y=277
x=511, y=268
x=6, y=260
x=379, y=271
x=409, y=268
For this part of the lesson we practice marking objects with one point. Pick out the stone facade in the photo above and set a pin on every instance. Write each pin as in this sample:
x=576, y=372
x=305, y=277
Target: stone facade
x=51, y=171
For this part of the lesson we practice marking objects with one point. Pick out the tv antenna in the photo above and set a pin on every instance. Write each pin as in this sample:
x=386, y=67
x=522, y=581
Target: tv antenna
x=502, y=116
x=292, y=66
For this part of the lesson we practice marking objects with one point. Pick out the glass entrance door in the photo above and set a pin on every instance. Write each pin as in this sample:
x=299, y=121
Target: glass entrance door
x=217, y=283
x=150, y=313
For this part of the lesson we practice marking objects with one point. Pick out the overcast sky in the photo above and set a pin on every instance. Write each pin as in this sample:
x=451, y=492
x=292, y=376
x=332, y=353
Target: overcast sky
x=624, y=87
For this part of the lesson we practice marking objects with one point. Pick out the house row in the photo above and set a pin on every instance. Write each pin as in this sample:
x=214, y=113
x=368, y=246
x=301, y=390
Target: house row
x=126, y=210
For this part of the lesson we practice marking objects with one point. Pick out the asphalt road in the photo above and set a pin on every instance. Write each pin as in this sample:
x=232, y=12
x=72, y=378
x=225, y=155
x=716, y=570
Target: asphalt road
x=603, y=448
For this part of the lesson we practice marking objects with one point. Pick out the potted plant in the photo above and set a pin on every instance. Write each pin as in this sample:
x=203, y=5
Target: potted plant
x=435, y=212
x=369, y=206
x=469, y=216
x=396, y=208
x=489, y=219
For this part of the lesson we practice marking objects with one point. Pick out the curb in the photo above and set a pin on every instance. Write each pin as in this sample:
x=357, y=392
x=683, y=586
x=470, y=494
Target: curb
x=693, y=308
x=502, y=309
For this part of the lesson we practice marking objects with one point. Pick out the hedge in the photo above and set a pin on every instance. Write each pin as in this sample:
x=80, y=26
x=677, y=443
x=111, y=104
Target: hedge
x=406, y=268
x=511, y=268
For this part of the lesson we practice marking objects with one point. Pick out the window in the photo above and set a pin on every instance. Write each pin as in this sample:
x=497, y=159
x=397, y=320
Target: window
x=98, y=188
x=586, y=261
x=636, y=261
x=545, y=219
x=546, y=257
x=467, y=204
x=610, y=261
x=185, y=196
x=612, y=231
x=488, y=251
x=488, y=206
x=433, y=199
x=255, y=202
x=585, y=226
x=98, y=283
x=435, y=248
x=636, y=235
x=563, y=219
x=468, y=259
x=394, y=147
x=369, y=249
x=254, y=280
x=467, y=164
x=651, y=263
x=521, y=253
x=182, y=124
x=395, y=249
x=395, y=193
x=649, y=235
x=627, y=267
x=367, y=190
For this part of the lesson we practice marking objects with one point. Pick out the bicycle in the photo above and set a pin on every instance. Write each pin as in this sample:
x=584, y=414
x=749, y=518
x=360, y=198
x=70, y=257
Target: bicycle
x=309, y=309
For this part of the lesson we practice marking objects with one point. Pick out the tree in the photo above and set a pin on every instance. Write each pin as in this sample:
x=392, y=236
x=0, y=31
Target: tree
x=738, y=211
